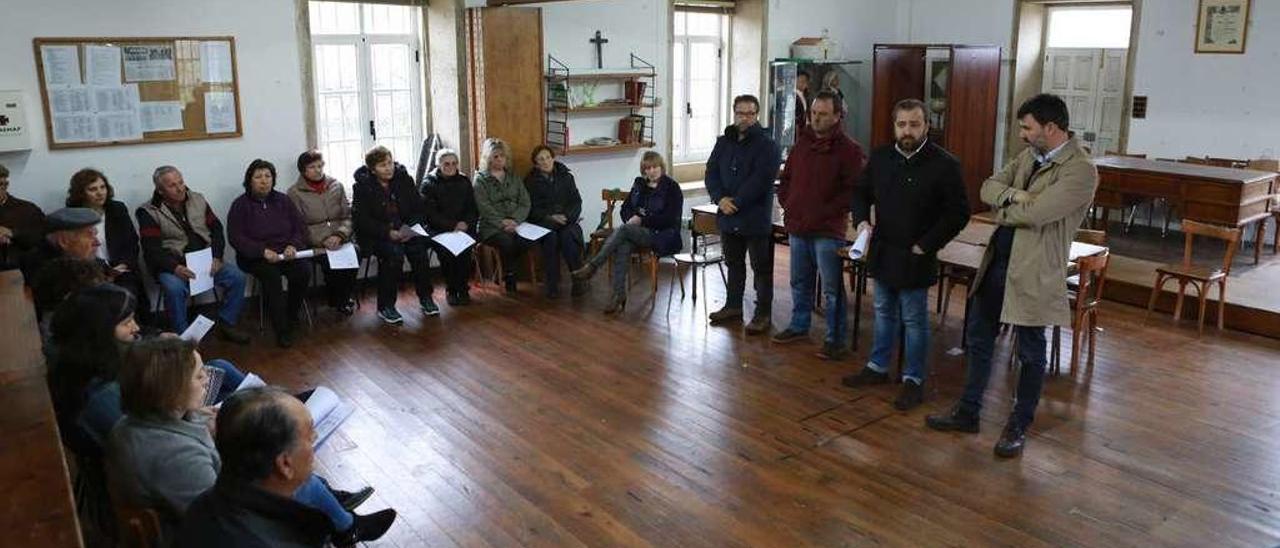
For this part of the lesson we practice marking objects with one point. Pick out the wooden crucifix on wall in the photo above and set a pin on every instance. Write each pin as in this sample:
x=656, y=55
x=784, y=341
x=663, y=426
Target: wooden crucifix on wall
x=599, y=42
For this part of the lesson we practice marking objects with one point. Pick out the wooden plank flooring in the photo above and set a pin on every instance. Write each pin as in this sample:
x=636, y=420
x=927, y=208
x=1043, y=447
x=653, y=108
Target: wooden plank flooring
x=542, y=423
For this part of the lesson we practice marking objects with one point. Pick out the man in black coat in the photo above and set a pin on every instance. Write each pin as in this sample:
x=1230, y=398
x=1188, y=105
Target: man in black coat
x=918, y=192
x=740, y=175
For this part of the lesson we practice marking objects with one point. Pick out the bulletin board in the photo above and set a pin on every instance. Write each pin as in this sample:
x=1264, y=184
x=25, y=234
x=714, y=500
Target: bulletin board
x=122, y=91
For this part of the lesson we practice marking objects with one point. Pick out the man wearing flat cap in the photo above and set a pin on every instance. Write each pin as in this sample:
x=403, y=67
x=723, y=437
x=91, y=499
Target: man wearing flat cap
x=71, y=234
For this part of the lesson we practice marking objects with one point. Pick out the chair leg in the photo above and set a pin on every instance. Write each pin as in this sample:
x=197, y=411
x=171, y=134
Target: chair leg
x=1222, y=299
x=946, y=286
x=653, y=271
x=1177, y=305
x=1077, y=331
x=1156, y=286
x=1203, y=290
x=1257, y=240
x=1092, y=334
x=1055, y=350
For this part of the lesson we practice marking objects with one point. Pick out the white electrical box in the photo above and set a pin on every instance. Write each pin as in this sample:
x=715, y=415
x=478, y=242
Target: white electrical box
x=15, y=131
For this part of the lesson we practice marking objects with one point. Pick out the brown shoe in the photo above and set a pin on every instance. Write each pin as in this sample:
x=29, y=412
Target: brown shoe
x=585, y=273
x=759, y=324
x=724, y=315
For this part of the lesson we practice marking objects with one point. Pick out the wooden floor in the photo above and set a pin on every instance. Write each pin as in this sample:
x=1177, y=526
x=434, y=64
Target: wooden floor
x=532, y=422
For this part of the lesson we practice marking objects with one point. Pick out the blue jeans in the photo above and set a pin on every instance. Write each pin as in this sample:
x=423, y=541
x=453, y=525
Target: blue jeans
x=177, y=290
x=984, y=323
x=316, y=494
x=897, y=309
x=817, y=255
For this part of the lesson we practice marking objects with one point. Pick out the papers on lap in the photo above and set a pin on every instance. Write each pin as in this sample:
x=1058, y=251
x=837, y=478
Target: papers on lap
x=456, y=241
x=328, y=411
x=531, y=232
x=344, y=258
x=201, y=263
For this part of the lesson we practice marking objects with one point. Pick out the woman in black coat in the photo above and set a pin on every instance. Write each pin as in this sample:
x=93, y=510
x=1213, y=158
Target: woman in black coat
x=450, y=205
x=90, y=188
x=555, y=204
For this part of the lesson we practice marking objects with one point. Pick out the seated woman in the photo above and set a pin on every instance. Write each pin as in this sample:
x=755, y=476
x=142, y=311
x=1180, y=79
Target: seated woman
x=450, y=205
x=322, y=202
x=89, y=329
x=503, y=204
x=90, y=188
x=652, y=221
x=161, y=455
x=267, y=232
x=385, y=205
x=555, y=204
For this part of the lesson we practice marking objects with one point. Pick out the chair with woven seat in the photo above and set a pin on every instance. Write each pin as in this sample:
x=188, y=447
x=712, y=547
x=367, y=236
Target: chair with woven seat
x=1198, y=276
x=1084, y=301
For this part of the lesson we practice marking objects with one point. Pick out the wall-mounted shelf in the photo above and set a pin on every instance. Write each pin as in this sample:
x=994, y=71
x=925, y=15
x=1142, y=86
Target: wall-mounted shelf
x=638, y=104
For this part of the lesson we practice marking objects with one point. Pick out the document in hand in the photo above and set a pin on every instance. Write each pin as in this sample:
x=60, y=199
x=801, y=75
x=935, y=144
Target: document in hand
x=344, y=258
x=197, y=330
x=531, y=232
x=859, y=247
x=305, y=254
x=455, y=241
x=328, y=411
x=418, y=230
x=201, y=263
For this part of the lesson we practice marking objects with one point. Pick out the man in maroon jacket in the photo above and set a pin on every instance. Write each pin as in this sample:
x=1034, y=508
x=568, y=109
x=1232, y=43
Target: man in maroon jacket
x=815, y=191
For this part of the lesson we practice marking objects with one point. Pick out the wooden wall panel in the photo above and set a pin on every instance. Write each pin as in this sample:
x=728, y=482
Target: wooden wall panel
x=973, y=90
x=898, y=75
x=507, y=79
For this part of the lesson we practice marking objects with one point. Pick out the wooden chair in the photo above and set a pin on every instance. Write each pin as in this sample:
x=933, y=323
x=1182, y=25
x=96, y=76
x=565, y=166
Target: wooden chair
x=138, y=527
x=612, y=197
x=486, y=253
x=1085, y=301
x=1095, y=237
x=700, y=228
x=1200, y=277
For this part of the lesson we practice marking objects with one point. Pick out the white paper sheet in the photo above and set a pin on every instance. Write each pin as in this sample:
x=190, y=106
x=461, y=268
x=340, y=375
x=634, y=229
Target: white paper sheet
x=344, y=258
x=198, y=329
x=219, y=112
x=456, y=241
x=859, y=247
x=328, y=411
x=70, y=100
x=251, y=381
x=215, y=62
x=115, y=98
x=61, y=65
x=148, y=63
x=74, y=128
x=531, y=232
x=417, y=229
x=118, y=126
x=102, y=65
x=304, y=254
x=161, y=115
x=201, y=263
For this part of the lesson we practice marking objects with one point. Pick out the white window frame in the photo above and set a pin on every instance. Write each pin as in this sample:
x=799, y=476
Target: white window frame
x=680, y=120
x=364, y=83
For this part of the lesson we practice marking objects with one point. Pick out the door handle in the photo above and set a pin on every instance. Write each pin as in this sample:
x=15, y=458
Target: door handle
x=688, y=110
x=373, y=131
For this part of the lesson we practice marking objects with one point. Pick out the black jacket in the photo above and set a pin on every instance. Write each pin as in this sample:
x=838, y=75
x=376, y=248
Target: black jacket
x=369, y=205
x=660, y=210
x=549, y=195
x=27, y=223
x=448, y=201
x=233, y=513
x=745, y=171
x=919, y=201
x=121, y=237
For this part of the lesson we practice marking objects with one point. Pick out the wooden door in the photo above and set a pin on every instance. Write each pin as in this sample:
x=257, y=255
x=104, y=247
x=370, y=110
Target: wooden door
x=898, y=73
x=505, y=74
x=973, y=91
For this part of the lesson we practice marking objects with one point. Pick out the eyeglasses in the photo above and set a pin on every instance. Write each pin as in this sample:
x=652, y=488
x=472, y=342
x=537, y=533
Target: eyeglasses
x=744, y=113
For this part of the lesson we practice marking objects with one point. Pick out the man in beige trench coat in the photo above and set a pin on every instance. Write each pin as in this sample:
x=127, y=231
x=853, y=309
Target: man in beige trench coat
x=1039, y=200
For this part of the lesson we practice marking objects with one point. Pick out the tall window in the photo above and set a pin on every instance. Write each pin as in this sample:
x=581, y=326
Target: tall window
x=1089, y=27
x=697, y=77
x=368, y=76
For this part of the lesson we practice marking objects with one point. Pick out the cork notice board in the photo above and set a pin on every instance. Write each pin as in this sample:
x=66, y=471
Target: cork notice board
x=121, y=91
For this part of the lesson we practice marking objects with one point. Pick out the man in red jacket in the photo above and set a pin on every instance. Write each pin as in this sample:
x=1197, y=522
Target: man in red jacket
x=815, y=191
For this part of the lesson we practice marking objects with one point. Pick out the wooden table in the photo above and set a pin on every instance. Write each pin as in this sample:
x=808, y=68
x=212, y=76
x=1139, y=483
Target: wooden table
x=38, y=508
x=1216, y=195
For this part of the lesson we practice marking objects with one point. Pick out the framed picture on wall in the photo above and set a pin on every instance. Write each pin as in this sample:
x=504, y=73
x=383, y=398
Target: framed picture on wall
x=1222, y=26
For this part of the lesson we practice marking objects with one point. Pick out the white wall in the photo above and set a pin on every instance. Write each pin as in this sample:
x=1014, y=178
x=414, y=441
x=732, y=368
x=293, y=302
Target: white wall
x=1214, y=104
x=631, y=26
x=270, y=94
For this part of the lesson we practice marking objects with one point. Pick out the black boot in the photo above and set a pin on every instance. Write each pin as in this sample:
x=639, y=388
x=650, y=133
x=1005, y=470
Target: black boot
x=366, y=528
x=1012, y=440
x=954, y=420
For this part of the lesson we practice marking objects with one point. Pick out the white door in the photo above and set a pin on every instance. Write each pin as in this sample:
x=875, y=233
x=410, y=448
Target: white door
x=367, y=72
x=1091, y=81
x=698, y=109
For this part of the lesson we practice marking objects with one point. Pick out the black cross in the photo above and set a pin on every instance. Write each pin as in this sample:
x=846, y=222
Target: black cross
x=599, y=42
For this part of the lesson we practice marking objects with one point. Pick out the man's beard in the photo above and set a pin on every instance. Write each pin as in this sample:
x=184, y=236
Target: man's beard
x=908, y=143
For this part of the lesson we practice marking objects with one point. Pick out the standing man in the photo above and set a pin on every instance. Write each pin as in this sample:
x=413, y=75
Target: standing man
x=740, y=175
x=816, y=187
x=1039, y=199
x=177, y=221
x=918, y=191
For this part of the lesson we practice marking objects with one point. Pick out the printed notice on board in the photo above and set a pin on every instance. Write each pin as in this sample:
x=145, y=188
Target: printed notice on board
x=102, y=65
x=161, y=115
x=61, y=65
x=215, y=62
x=148, y=63
x=219, y=112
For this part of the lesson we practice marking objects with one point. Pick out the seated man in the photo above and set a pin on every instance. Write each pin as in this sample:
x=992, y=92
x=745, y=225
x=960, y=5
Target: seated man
x=264, y=438
x=177, y=221
x=71, y=234
x=21, y=223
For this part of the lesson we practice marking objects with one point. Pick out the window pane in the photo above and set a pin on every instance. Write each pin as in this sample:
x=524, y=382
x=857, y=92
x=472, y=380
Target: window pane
x=334, y=18
x=1089, y=27
x=703, y=24
x=380, y=19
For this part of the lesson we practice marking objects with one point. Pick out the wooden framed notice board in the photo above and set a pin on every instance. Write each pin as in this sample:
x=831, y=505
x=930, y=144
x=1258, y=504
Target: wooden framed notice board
x=119, y=91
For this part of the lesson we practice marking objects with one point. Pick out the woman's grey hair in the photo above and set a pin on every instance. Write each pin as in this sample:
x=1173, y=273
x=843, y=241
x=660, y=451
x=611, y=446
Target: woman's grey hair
x=490, y=146
x=440, y=154
x=161, y=172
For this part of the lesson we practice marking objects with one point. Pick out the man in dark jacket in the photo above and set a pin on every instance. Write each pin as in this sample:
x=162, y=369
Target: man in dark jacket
x=264, y=438
x=385, y=206
x=740, y=175
x=918, y=191
x=21, y=226
x=450, y=205
x=815, y=190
